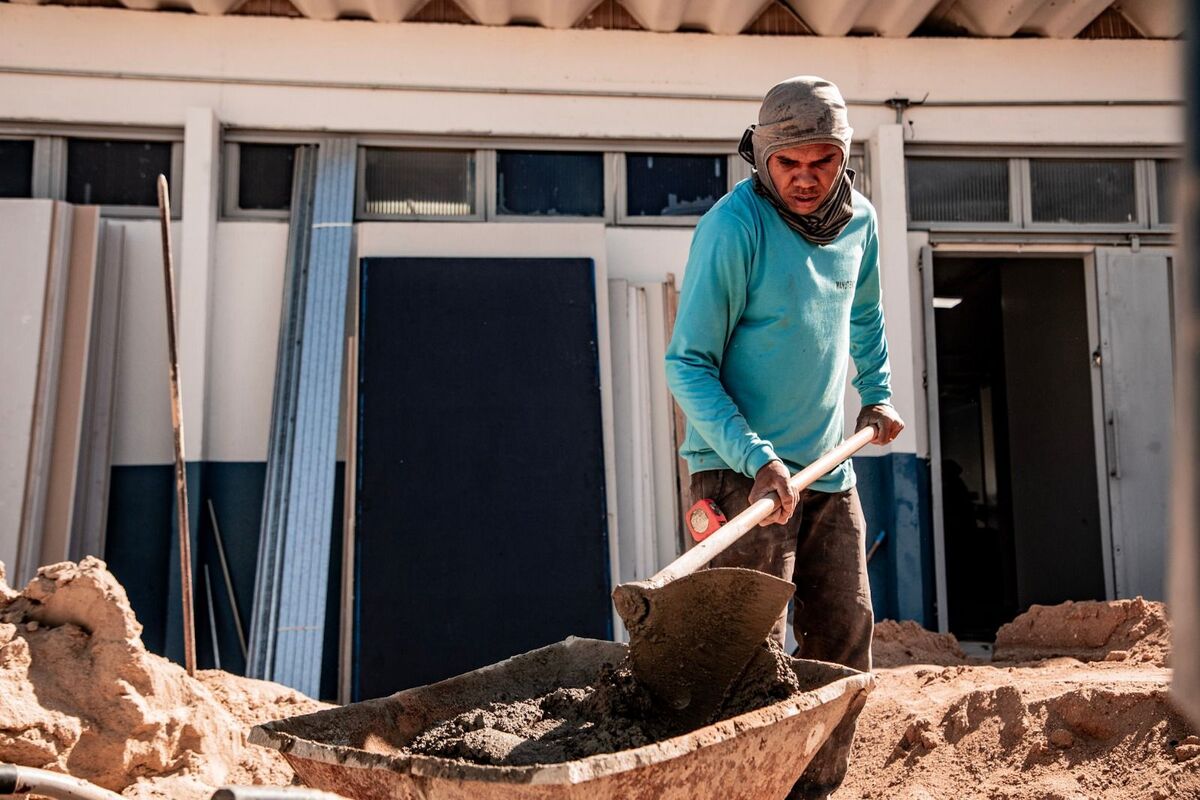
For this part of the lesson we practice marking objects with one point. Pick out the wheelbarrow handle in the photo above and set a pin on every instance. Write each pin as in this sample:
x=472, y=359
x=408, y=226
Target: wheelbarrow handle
x=735, y=528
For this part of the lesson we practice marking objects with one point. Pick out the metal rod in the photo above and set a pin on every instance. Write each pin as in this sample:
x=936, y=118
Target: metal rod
x=237, y=615
x=212, y=619
x=875, y=545
x=376, y=86
x=185, y=541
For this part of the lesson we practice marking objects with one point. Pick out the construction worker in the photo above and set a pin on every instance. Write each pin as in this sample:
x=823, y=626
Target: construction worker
x=781, y=290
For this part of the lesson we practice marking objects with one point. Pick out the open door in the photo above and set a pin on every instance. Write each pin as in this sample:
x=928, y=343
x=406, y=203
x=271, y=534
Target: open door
x=1136, y=355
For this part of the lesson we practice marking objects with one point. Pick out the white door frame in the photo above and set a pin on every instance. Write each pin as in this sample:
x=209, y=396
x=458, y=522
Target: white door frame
x=933, y=410
x=1099, y=426
x=1086, y=254
x=472, y=240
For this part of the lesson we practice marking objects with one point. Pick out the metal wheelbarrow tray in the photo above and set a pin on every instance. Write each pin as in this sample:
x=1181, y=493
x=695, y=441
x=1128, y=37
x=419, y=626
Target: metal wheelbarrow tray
x=356, y=750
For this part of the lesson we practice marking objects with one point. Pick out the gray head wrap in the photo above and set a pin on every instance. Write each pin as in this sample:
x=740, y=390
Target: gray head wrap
x=803, y=110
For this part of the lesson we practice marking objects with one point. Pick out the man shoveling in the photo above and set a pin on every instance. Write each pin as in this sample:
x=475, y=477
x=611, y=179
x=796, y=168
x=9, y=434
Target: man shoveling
x=781, y=289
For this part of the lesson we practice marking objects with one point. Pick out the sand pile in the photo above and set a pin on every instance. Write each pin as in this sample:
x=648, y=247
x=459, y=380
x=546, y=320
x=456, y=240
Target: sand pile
x=898, y=643
x=1051, y=728
x=79, y=693
x=1121, y=630
x=1057, y=731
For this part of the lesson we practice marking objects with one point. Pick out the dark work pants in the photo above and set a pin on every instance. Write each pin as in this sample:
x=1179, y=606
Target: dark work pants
x=821, y=550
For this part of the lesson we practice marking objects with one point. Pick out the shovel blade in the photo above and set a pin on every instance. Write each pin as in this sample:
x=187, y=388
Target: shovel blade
x=691, y=638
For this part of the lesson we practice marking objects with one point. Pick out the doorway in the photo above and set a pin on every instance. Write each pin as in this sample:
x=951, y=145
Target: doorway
x=1021, y=502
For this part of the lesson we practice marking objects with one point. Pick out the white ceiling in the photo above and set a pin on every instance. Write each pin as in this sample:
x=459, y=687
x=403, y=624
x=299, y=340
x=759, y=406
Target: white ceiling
x=1060, y=19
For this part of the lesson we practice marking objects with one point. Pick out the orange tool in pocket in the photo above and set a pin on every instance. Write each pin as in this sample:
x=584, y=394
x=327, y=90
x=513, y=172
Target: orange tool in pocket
x=703, y=519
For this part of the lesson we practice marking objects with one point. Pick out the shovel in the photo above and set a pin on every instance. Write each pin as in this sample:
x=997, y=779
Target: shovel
x=692, y=631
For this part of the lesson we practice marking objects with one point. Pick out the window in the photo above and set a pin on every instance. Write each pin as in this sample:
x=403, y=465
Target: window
x=1056, y=190
x=550, y=184
x=119, y=173
x=958, y=190
x=264, y=176
x=1082, y=191
x=418, y=183
x=659, y=185
x=862, y=180
x=16, y=168
x=1166, y=181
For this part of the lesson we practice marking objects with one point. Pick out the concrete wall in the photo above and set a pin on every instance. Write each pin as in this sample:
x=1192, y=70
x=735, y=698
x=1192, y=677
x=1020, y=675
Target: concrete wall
x=280, y=73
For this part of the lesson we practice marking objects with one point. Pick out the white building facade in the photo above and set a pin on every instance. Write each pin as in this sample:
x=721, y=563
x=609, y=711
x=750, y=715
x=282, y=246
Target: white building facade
x=1023, y=187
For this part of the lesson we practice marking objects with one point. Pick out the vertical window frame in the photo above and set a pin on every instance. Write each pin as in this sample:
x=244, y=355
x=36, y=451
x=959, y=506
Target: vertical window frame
x=1157, y=223
x=50, y=167
x=862, y=179
x=739, y=169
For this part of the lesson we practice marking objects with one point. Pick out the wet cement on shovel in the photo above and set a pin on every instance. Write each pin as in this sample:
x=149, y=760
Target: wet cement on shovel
x=613, y=713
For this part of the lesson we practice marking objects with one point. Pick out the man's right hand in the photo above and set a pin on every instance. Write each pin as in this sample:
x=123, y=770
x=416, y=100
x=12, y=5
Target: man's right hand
x=772, y=478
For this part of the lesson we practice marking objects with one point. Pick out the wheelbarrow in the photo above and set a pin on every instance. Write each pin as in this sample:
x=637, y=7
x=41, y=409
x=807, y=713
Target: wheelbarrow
x=358, y=750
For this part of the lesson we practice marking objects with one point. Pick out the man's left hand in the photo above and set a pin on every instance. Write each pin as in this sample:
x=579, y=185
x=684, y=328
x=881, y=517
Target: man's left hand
x=884, y=419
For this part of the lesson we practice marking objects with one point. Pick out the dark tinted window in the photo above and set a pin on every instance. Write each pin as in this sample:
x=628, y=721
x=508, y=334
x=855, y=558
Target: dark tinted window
x=553, y=184
x=958, y=189
x=16, y=168
x=1069, y=190
x=673, y=185
x=265, y=176
x=119, y=173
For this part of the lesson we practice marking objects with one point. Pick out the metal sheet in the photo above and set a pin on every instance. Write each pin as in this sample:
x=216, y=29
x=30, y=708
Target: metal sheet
x=896, y=18
x=27, y=227
x=95, y=458
x=283, y=414
x=289, y=617
x=1136, y=359
x=46, y=397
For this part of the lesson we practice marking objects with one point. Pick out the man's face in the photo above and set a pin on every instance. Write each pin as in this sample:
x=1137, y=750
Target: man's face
x=804, y=174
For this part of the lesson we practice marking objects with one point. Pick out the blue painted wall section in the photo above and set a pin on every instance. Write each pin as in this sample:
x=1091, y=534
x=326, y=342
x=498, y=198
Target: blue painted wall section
x=141, y=551
x=895, y=495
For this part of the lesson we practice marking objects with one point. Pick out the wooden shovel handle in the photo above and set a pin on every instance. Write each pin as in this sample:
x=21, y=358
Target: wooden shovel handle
x=733, y=530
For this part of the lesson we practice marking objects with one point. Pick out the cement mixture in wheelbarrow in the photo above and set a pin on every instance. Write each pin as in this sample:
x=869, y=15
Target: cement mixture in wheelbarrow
x=613, y=713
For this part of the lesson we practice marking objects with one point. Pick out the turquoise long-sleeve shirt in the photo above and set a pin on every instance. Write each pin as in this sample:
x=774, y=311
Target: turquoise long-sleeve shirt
x=766, y=325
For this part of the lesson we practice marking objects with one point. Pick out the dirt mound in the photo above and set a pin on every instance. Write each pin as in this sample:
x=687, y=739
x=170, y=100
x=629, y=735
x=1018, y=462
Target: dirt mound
x=82, y=695
x=897, y=644
x=1117, y=630
x=1059, y=730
